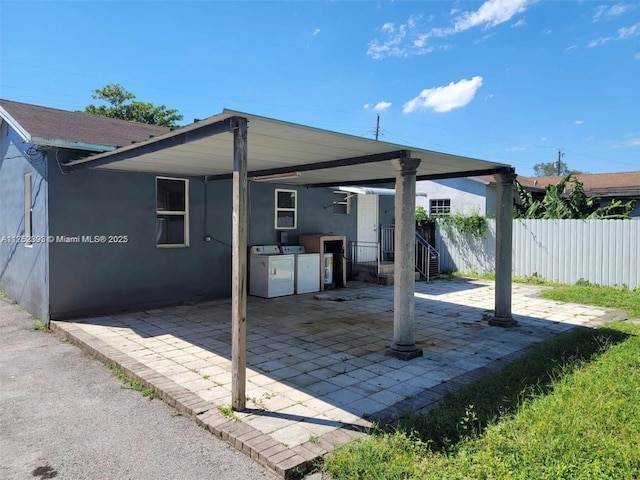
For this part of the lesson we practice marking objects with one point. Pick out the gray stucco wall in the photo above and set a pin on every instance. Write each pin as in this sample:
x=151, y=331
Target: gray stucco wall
x=91, y=278
x=23, y=269
x=315, y=214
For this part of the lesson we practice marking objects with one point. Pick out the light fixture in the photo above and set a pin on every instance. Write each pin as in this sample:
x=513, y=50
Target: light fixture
x=276, y=176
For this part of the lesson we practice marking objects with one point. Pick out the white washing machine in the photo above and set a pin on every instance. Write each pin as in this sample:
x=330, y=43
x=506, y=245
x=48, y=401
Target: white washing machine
x=307, y=269
x=271, y=274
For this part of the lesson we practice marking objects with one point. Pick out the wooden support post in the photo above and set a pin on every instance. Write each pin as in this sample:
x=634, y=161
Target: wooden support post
x=239, y=267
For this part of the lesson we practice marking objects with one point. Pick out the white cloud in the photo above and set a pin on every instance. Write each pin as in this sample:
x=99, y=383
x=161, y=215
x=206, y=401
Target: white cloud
x=631, y=141
x=421, y=40
x=490, y=14
x=366, y=106
x=520, y=23
x=606, y=12
x=543, y=139
x=570, y=48
x=579, y=122
x=382, y=106
x=516, y=149
x=488, y=97
x=445, y=98
x=409, y=38
x=388, y=27
x=483, y=38
x=623, y=34
x=628, y=32
x=401, y=40
x=598, y=42
x=637, y=56
x=316, y=32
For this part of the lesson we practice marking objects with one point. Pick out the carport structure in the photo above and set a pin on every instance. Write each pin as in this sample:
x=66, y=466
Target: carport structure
x=239, y=146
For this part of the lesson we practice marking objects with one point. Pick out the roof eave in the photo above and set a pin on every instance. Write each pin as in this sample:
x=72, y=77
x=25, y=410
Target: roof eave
x=13, y=123
x=70, y=144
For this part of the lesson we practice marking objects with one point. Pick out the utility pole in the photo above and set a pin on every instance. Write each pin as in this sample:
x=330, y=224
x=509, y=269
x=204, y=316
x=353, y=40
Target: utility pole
x=377, y=126
x=559, y=164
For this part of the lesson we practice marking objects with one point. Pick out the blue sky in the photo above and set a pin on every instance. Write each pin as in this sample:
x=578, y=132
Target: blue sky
x=512, y=81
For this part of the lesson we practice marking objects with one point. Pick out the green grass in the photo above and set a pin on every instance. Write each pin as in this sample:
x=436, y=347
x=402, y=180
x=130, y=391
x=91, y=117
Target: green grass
x=569, y=410
x=39, y=325
x=528, y=279
x=582, y=292
x=227, y=411
x=587, y=294
x=130, y=382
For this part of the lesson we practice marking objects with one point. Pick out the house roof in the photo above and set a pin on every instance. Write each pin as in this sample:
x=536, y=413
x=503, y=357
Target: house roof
x=53, y=127
x=594, y=184
x=616, y=184
x=305, y=155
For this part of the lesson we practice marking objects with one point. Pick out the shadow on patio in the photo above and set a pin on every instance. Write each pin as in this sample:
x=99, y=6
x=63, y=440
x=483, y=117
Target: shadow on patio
x=317, y=372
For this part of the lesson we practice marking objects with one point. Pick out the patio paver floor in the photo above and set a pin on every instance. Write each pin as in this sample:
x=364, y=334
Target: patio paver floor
x=317, y=370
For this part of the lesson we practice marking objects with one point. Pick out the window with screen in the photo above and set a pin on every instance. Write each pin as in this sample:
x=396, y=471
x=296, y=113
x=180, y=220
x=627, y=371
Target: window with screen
x=172, y=212
x=439, y=207
x=286, y=209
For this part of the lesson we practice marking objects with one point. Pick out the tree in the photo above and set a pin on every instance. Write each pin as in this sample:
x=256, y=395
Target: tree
x=124, y=106
x=550, y=169
x=557, y=205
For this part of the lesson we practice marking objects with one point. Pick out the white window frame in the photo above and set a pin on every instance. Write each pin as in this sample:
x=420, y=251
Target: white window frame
x=184, y=213
x=345, y=199
x=281, y=209
x=436, y=207
x=28, y=218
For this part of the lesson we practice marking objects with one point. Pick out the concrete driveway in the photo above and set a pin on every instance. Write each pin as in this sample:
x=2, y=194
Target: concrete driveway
x=64, y=416
x=317, y=371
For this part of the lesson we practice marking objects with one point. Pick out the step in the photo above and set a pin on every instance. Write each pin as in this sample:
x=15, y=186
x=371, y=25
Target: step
x=388, y=278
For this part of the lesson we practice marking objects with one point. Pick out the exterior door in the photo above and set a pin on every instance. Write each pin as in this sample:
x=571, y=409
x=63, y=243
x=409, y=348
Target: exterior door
x=367, y=244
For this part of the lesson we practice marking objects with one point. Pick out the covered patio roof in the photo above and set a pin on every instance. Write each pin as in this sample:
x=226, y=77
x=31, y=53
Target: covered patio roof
x=238, y=146
x=310, y=156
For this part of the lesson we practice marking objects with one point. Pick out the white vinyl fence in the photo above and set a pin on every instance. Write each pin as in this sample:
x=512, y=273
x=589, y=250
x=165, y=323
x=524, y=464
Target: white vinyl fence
x=604, y=252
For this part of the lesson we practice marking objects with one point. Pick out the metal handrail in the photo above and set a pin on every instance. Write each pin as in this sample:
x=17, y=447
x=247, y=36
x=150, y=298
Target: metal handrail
x=425, y=252
x=365, y=253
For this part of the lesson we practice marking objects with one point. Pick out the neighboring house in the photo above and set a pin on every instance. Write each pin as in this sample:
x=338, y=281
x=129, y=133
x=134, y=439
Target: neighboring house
x=458, y=195
x=605, y=187
x=478, y=194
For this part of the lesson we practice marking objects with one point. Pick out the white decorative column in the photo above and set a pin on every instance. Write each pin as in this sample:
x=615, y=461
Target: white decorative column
x=404, y=345
x=504, y=247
